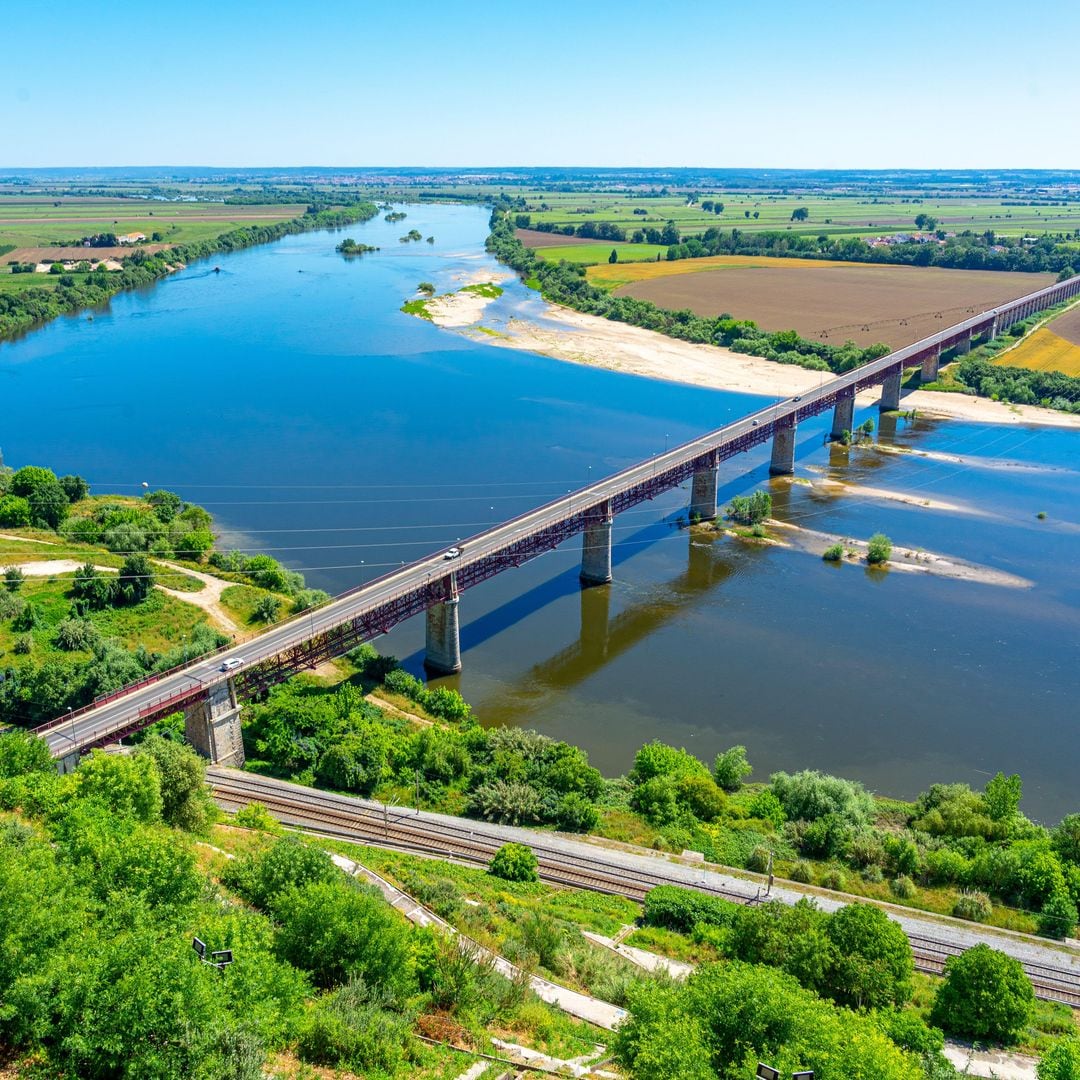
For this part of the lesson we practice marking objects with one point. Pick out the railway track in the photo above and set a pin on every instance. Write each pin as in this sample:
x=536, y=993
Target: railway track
x=342, y=817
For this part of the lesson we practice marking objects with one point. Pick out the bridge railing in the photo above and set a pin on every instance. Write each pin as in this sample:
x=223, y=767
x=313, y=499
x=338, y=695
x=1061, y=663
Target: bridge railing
x=590, y=498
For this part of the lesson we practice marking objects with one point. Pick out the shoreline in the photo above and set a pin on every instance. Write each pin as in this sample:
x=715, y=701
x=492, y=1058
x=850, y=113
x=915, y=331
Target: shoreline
x=597, y=342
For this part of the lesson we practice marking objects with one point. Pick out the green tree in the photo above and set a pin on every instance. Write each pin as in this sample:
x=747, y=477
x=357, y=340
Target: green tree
x=614, y=256
x=14, y=511
x=29, y=478
x=339, y=930
x=13, y=579
x=514, y=862
x=129, y=785
x=1002, y=797
x=266, y=609
x=658, y=759
x=185, y=800
x=22, y=752
x=809, y=795
x=800, y=213
x=985, y=995
x=135, y=581
x=731, y=768
x=75, y=487
x=1058, y=917
x=872, y=963
x=259, y=877
x=48, y=504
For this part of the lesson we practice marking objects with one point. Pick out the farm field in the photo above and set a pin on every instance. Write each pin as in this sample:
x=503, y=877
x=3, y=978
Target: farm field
x=1054, y=347
x=598, y=252
x=830, y=301
x=833, y=215
x=35, y=221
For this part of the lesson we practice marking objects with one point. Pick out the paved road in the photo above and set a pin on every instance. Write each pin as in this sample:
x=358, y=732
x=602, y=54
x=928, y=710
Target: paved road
x=142, y=703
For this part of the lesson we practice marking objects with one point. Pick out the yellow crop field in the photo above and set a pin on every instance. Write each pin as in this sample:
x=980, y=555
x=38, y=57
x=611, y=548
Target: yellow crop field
x=612, y=275
x=1043, y=351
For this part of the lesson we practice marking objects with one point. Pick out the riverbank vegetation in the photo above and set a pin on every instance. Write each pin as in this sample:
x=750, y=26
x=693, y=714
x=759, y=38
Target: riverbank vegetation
x=20, y=310
x=114, y=604
x=952, y=851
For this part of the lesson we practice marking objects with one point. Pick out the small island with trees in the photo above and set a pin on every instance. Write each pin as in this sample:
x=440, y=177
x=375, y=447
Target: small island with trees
x=349, y=246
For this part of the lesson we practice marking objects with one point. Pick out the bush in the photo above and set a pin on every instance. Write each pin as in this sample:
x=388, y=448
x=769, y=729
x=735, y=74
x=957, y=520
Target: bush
x=809, y=795
x=973, y=905
x=576, y=814
x=878, y=549
x=657, y=759
x=674, y=908
x=514, y=862
x=985, y=995
x=833, y=553
x=759, y=860
x=750, y=509
x=834, y=878
x=765, y=806
x=351, y=1029
x=261, y=876
x=1058, y=916
x=802, y=871
x=872, y=965
x=701, y=796
x=902, y=886
x=657, y=800
x=731, y=768
x=1061, y=1061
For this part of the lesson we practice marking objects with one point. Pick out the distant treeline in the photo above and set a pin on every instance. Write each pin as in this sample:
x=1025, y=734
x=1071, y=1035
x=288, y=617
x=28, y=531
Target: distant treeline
x=565, y=283
x=20, y=311
x=965, y=251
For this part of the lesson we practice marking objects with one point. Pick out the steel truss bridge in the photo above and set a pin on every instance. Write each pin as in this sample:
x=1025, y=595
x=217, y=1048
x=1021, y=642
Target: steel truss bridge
x=377, y=606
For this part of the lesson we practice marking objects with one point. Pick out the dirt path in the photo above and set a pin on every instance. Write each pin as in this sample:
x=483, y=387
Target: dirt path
x=208, y=598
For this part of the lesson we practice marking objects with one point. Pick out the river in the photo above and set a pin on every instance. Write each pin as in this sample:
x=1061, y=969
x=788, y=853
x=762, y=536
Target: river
x=289, y=395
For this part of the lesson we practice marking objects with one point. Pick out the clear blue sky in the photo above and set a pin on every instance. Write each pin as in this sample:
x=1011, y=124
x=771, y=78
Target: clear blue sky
x=950, y=83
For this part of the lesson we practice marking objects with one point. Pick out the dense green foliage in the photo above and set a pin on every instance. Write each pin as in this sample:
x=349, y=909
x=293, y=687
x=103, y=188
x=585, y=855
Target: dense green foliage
x=727, y=1017
x=1021, y=385
x=565, y=283
x=514, y=862
x=750, y=509
x=985, y=995
x=22, y=309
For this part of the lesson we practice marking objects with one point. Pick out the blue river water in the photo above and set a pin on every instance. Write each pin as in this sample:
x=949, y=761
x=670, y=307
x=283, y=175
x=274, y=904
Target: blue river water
x=289, y=395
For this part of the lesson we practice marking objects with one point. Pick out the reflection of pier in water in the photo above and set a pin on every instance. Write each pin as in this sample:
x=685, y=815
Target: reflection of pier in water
x=603, y=639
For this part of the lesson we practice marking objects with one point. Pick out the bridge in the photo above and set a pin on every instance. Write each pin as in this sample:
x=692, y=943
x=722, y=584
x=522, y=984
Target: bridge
x=211, y=690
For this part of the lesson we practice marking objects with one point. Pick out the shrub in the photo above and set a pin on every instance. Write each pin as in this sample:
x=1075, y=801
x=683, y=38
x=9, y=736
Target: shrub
x=878, y=549
x=14, y=511
x=1058, y=916
x=657, y=759
x=834, y=878
x=872, y=965
x=985, y=995
x=701, y=796
x=802, y=871
x=261, y=876
x=256, y=816
x=902, y=886
x=973, y=905
x=514, y=862
x=759, y=859
x=675, y=908
x=765, y=806
x=833, y=553
x=576, y=814
x=1061, y=1061
x=750, y=509
x=509, y=802
x=810, y=795
x=266, y=609
x=731, y=768
x=656, y=800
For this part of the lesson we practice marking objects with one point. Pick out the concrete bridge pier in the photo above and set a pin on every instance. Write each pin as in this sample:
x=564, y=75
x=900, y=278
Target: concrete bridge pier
x=783, y=451
x=703, y=493
x=963, y=347
x=890, y=392
x=994, y=328
x=212, y=725
x=443, y=652
x=843, y=417
x=931, y=365
x=596, y=550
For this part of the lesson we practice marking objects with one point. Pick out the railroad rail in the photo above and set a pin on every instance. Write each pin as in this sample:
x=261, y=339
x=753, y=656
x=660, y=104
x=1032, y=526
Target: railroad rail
x=344, y=817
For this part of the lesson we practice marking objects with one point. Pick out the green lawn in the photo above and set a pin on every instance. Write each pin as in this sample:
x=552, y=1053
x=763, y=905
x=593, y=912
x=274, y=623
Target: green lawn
x=600, y=252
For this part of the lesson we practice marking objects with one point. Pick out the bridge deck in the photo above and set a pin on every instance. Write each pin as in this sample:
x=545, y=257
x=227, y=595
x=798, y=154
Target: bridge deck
x=373, y=608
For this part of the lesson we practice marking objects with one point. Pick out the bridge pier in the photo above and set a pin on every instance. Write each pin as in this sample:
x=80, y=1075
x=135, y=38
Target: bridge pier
x=843, y=417
x=212, y=726
x=890, y=392
x=963, y=347
x=442, y=655
x=596, y=550
x=783, y=451
x=703, y=493
x=931, y=365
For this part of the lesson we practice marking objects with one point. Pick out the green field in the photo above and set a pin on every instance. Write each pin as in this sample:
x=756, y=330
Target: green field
x=29, y=221
x=834, y=215
x=600, y=251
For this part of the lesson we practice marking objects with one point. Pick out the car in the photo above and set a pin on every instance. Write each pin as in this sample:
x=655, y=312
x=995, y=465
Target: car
x=798, y=397
x=231, y=664
x=754, y=422
x=453, y=553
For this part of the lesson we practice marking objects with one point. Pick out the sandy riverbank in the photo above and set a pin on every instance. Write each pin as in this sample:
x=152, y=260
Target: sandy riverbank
x=589, y=339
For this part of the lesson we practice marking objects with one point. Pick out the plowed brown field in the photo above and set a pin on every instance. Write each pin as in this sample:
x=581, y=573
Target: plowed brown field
x=838, y=301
